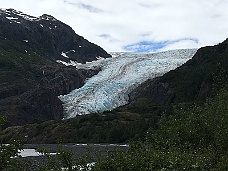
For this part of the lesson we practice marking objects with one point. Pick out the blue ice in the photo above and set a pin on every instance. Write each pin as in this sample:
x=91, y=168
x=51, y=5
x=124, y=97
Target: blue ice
x=119, y=75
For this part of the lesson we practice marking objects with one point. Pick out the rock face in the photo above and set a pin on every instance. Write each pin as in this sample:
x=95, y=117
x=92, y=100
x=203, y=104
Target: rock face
x=37, y=100
x=30, y=77
x=190, y=82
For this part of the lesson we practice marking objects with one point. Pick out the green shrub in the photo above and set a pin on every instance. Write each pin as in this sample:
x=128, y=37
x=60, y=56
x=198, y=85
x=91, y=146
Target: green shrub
x=195, y=138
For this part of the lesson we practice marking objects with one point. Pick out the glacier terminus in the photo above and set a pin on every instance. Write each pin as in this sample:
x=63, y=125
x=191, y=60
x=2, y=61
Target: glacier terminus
x=119, y=75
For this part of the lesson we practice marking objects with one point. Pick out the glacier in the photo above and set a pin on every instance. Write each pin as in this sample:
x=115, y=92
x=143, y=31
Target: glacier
x=119, y=75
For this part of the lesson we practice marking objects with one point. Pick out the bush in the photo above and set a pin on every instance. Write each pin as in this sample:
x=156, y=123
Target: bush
x=195, y=138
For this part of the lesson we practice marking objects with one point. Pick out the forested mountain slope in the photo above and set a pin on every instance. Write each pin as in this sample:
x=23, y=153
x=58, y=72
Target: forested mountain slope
x=191, y=82
x=30, y=77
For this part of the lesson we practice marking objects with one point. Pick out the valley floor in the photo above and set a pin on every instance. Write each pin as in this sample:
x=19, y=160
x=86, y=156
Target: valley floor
x=78, y=150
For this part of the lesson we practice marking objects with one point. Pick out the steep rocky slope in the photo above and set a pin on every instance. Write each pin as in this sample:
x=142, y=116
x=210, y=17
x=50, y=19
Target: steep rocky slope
x=191, y=82
x=30, y=77
x=47, y=37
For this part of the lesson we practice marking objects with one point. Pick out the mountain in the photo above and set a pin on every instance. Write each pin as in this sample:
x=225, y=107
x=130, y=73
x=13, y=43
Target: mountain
x=193, y=82
x=31, y=82
x=30, y=77
x=48, y=37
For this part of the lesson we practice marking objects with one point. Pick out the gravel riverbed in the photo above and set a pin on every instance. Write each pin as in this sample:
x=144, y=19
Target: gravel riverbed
x=78, y=150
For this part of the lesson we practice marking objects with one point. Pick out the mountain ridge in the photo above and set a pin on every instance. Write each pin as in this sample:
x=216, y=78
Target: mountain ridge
x=48, y=37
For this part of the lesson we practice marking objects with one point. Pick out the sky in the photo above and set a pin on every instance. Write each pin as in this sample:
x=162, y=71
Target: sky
x=137, y=25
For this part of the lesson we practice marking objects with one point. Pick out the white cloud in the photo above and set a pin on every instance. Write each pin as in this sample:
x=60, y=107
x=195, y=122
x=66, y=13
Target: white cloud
x=130, y=22
x=181, y=45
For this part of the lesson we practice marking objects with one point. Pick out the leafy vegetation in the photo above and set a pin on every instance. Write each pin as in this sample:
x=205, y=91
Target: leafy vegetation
x=195, y=138
x=63, y=160
x=113, y=127
x=7, y=151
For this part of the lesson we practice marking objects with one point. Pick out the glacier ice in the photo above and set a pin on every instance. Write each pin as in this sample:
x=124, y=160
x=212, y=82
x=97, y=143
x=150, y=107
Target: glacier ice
x=119, y=75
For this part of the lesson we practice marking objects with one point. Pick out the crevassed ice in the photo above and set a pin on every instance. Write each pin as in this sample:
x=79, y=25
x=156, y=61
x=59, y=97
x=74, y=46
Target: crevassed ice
x=119, y=75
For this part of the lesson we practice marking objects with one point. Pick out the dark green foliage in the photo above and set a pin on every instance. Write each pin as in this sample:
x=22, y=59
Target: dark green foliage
x=8, y=151
x=195, y=138
x=16, y=64
x=117, y=127
x=10, y=159
x=190, y=79
x=190, y=83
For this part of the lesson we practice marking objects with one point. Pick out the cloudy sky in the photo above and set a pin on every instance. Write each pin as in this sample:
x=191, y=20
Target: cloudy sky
x=137, y=25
